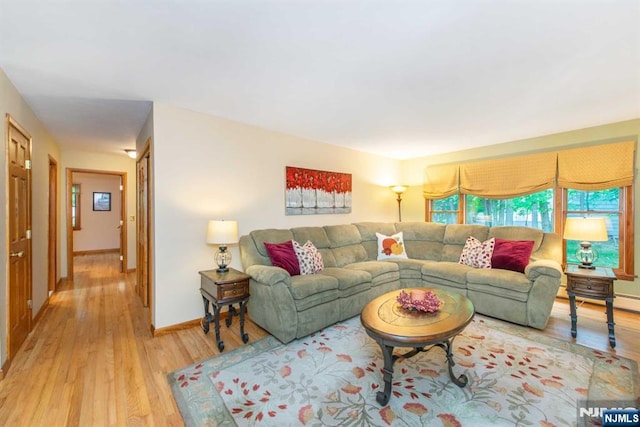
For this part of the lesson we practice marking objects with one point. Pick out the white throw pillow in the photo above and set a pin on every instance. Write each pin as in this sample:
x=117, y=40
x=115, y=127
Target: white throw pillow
x=476, y=253
x=309, y=258
x=391, y=247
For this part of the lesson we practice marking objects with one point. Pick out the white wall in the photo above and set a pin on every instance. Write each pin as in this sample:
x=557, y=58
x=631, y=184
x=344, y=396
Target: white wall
x=210, y=168
x=99, y=229
x=100, y=162
x=43, y=146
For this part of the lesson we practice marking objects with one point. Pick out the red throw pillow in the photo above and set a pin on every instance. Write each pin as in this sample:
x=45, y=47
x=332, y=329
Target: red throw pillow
x=282, y=255
x=511, y=254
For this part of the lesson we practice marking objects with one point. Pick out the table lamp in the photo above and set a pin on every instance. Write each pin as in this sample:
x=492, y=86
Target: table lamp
x=586, y=230
x=223, y=233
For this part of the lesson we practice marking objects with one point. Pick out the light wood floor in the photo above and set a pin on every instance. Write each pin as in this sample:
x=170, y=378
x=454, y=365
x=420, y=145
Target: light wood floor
x=91, y=359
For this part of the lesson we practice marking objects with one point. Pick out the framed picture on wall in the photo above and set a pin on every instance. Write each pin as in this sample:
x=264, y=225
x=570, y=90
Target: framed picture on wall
x=101, y=201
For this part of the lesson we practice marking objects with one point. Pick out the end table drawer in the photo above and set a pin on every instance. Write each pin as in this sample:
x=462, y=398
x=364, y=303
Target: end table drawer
x=233, y=290
x=588, y=286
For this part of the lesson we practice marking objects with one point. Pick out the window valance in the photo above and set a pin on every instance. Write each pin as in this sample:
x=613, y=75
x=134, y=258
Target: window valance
x=598, y=167
x=509, y=177
x=586, y=168
x=441, y=181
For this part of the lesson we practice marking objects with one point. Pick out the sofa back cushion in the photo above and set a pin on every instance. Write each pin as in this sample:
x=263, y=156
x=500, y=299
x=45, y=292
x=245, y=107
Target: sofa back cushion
x=455, y=237
x=346, y=244
x=368, y=232
x=423, y=240
x=518, y=233
x=252, y=247
x=551, y=248
x=317, y=236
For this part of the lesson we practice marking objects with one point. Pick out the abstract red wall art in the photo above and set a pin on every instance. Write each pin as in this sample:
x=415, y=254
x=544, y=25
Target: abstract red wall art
x=310, y=192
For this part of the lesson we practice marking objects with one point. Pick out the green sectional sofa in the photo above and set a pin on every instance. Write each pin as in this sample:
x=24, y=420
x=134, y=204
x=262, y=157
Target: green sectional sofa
x=291, y=307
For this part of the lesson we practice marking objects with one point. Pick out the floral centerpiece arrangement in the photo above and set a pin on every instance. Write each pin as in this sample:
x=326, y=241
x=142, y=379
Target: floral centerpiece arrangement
x=420, y=300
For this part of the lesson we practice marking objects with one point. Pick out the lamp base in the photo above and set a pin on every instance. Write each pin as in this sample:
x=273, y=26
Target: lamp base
x=587, y=266
x=223, y=259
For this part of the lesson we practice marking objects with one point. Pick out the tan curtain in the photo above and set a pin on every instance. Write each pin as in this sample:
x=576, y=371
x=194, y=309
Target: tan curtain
x=509, y=177
x=598, y=167
x=440, y=181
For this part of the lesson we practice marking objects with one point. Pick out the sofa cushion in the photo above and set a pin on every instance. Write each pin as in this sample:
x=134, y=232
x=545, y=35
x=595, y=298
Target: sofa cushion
x=477, y=254
x=282, y=255
x=504, y=283
x=368, y=232
x=455, y=237
x=450, y=271
x=347, y=278
x=346, y=255
x=269, y=235
x=316, y=234
x=309, y=259
x=423, y=240
x=511, y=254
x=343, y=235
x=391, y=247
x=518, y=233
x=380, y=271
x=304, y=286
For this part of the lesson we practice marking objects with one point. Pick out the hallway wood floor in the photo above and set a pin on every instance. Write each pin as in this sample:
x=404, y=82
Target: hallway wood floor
x=92, y=361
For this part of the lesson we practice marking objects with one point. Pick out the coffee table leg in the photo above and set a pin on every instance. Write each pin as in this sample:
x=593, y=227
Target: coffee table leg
x=383, y=396
x=462, y=380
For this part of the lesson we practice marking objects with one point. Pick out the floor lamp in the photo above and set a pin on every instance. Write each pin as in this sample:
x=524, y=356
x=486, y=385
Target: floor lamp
x=399, y=189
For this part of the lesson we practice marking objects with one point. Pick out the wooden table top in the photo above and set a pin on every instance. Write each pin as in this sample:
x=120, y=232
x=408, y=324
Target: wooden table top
x=384, y=318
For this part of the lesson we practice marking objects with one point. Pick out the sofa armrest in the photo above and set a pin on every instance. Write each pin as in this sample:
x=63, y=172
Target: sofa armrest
x=545, y=278
x=543, y=267
x=268, y=275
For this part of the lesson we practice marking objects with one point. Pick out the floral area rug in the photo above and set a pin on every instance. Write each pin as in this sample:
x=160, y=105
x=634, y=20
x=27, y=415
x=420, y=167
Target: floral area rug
x=516, y=376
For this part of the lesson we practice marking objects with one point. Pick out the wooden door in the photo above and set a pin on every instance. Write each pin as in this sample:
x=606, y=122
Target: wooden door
x=120, y=226
x=53, y=226
x=19, y=213
x=143, y=230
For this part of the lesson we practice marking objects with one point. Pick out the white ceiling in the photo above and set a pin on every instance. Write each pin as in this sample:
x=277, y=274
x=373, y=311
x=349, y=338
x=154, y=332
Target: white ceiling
x=399, y=78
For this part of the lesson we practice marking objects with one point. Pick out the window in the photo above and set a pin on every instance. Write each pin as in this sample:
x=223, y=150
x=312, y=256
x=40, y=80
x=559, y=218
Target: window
x=75, y=206
x=445, y=211
x=614, y=205
x=533, y=210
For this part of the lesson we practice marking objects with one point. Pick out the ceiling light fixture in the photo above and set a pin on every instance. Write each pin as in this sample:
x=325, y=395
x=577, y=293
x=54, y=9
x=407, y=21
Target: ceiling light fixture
x=130, y=152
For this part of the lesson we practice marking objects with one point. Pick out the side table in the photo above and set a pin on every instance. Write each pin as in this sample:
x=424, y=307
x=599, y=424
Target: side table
x=594, y=284
x=220, y=289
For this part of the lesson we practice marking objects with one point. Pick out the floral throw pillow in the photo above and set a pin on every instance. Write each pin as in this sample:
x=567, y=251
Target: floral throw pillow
x=309, y=258
x=476, y=253
x=390, y=247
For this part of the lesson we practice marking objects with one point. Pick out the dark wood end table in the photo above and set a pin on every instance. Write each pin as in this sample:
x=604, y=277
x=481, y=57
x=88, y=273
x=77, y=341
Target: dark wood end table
x=220, y=289
x=391, y=326
x=594, y=284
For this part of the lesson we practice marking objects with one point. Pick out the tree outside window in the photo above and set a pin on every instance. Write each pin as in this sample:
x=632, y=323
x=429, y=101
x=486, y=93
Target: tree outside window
x=533, y=210
x=603, y=203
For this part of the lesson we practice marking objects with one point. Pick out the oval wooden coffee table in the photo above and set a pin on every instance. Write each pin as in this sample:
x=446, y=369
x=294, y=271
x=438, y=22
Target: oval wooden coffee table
x=391, y=326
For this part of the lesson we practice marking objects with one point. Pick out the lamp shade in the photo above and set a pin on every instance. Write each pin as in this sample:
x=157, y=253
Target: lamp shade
x=587, y=229
x=221, y=232
x=399, y=189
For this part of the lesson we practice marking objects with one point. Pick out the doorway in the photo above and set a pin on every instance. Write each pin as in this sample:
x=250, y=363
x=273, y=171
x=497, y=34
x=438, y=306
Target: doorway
x=96, y=212
x=52, y=269
x=145, y=237
x=19, y=235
